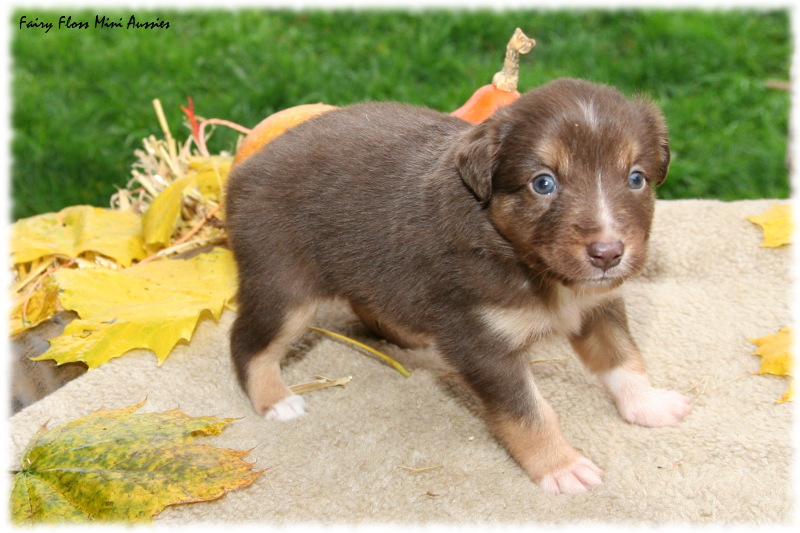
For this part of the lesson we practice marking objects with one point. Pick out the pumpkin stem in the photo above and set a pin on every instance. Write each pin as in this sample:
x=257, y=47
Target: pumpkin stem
x=507, y=79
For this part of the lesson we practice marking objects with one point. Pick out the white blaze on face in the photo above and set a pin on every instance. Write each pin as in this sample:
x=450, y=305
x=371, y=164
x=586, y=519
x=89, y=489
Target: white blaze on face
x=589, y=113
x=605, y=215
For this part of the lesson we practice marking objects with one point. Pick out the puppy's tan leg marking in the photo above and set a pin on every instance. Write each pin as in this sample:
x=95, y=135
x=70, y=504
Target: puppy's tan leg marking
x=391, y=332
x=269, y=394
x=543, y=451
x=606, y=348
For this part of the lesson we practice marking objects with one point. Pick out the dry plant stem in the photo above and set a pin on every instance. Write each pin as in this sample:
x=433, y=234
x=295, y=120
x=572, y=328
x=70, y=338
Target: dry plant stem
x=162, y=120
x=201, y=141
x=508, y=78
x=54, y=266
x=198, y=226
x=32, y=275
x=319, y=383
x=424, y=469
x=781, y=85
x=737, y=378
x=176, y=248
x=171, y=162
x=149, y=189
x=699, y=388
x=677, y=464
x=397, y=366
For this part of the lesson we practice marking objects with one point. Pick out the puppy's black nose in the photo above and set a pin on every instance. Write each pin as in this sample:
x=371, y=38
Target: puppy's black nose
x=605, y=254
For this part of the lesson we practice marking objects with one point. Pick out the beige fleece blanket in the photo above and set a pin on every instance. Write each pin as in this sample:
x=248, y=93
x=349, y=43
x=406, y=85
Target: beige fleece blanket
x=389, y=449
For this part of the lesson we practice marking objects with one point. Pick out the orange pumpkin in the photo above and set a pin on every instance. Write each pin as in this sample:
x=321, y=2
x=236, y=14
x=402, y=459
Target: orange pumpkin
x=503, y=89
x=484, y=102
x=276, y=124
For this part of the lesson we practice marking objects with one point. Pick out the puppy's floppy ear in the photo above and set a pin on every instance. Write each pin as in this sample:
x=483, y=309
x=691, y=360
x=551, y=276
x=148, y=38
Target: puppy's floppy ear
x=475, y=158
x=658, y=128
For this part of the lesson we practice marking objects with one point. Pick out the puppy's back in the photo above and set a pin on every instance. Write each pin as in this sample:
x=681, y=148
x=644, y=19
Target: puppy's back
x=375, y=139
x=331, y=191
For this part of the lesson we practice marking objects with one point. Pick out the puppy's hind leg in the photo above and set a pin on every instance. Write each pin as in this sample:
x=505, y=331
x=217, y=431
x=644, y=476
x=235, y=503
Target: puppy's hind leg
x=259, y=341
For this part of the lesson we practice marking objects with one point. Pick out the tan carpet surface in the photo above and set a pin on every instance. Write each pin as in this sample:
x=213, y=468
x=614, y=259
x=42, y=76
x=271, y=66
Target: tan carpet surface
x=415, y=450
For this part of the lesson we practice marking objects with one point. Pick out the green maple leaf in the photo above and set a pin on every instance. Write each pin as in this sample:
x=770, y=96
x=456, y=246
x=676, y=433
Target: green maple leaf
x=115, y=465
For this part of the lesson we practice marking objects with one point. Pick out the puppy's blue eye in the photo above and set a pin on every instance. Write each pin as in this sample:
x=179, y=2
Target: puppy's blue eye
x=544, y=184
x=636, y=180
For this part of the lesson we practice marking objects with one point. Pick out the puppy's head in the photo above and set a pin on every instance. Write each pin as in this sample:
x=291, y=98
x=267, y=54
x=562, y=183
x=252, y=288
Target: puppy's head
x=567, y=174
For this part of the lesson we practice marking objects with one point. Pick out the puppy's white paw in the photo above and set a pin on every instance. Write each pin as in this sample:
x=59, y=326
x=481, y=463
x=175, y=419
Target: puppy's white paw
x=655, y=408
x=289, y=408
x=640, y=403
x=580, y=476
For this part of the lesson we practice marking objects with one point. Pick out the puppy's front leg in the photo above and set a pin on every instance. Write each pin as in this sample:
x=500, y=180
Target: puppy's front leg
x=605, y=346
x=524, y=422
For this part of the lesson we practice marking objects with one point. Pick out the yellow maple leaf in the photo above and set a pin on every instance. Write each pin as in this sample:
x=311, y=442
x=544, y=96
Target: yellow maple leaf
x=212, y=173
x=75, y=230
x=206, y=176
x=30, y=310
x=158, y=222
x=117, y=465
x=777, y=225
x=775, y=351
x=152, y=306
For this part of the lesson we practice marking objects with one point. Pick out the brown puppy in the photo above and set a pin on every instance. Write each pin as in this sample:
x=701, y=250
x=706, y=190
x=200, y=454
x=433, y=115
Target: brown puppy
x=478, y=240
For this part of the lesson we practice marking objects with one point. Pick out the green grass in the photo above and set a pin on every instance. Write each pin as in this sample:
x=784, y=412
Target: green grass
x=82, y=98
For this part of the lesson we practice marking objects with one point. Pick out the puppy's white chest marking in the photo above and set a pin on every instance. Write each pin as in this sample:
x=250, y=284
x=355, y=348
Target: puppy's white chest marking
x=522, y=325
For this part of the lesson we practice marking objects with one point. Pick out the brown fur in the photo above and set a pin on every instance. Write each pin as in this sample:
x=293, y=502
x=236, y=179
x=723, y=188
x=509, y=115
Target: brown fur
x=604, y=341
x=432, y=229
x=391, y=332
x=264, y=384
x=538, y=445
